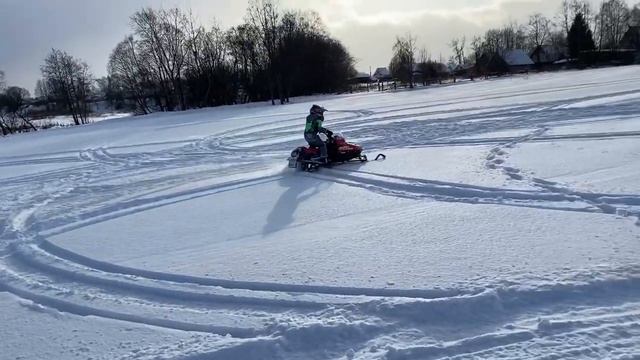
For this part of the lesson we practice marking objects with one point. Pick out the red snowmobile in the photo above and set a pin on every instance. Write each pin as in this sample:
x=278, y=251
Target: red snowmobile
x=338, y=151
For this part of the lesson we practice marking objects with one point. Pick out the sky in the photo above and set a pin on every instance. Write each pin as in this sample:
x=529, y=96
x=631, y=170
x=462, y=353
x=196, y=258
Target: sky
x=90, y=29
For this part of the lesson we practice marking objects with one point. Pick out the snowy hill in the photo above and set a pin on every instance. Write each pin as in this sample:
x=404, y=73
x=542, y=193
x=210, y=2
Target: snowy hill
x=504, y=223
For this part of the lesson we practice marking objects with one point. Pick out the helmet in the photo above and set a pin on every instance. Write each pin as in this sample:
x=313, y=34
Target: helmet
x=317, y=109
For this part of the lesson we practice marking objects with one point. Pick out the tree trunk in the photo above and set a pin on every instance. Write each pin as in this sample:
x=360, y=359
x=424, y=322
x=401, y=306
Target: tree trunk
x=280, y=90
x=183, y=104
x=28, y=122
x=5, y=129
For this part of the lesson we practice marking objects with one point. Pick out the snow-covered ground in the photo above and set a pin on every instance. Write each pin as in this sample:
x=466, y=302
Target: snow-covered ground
x=61, y=121
x=503, y=224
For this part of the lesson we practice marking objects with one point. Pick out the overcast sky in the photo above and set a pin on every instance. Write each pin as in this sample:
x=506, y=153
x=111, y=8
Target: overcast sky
x=90, y=29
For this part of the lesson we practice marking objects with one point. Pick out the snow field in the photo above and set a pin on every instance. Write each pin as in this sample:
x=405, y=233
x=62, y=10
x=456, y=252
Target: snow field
x=504, y=223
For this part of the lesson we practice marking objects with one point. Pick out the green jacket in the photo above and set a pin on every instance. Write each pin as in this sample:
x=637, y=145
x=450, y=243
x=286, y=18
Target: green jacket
x=314, y=124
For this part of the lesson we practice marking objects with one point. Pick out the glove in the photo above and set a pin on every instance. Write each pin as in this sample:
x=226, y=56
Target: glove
x=329, y=133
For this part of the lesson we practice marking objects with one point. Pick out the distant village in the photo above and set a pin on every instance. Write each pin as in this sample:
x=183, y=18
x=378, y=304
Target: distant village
x=502, y=62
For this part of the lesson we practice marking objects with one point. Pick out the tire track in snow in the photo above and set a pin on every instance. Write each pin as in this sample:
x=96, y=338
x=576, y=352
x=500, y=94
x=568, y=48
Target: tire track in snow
x=131, y=296
x=560, y=339
x=514, y=341
x=409, y=131
x=620, y=205
x=481, y=308
x=83, y=310
x=413, y=188
x=242, y=285
x=40, y=161
x=124, y=208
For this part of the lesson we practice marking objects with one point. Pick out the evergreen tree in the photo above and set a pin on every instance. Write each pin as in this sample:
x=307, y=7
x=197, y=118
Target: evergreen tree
x=580, y=37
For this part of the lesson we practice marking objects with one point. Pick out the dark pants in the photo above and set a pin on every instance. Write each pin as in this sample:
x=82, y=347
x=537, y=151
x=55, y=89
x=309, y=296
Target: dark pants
x=315, y=141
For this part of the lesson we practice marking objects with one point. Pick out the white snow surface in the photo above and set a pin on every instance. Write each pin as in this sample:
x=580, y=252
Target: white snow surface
x=504, y=223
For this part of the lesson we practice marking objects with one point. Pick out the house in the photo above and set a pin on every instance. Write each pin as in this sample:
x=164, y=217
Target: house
x=382, y=74
x=361, y=81
x=361, y=78
x=505, y=61
x=417, y=70
x=429, y=72
x=491, y=64
x=464, y=70
x=544, y=55
x=609, y=57
x=517, y=60
x=631, y=39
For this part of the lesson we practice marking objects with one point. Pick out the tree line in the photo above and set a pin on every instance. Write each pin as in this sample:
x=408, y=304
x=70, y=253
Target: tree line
x=171, y=62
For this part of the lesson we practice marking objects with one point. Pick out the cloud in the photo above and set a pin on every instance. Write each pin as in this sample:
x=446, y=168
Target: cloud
x=371, y=43
x=369, y=37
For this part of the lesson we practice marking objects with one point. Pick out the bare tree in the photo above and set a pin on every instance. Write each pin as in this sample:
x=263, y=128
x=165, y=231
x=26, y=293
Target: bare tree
x=539, y=29
x=174, y=21
x=410, y=48
x=477, y=47
x=150, y=51
x=263, y=15
x=162, y=46
x=208, y=69
x=424, y=55
x=42, y=91
x=612, y=22
x=558, y=38
x=84, y=88
x=5, y=127
x=634, y=15
x=128, y=69
x=492, y=41
x=243, y=48
x=70, y=82
x=403, y=60
x=422, y=65
x=568, y=11
x=565, y=16
x=457, y=46
x=2, y=81
x=512, y=36
x=585, y=8
x=508, y=35
x=16, y=108
x=4, y=120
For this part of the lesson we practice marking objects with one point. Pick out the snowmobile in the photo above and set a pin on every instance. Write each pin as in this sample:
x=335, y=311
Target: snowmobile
x=338, y=151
